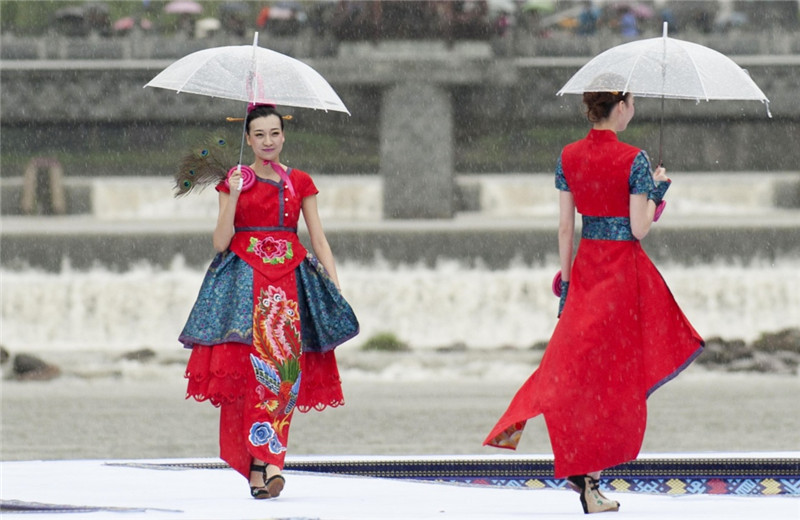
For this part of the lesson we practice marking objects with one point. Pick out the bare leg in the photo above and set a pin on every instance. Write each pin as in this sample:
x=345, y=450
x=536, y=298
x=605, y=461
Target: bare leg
x=266, y=480
x=258, y=487
x=272, y=470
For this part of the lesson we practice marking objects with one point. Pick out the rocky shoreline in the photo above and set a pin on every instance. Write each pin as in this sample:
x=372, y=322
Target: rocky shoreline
x=772, y=353
x=777, y=352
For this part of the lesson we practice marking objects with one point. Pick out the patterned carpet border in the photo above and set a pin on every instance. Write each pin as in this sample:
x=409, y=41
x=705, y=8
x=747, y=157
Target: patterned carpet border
x=670, y=476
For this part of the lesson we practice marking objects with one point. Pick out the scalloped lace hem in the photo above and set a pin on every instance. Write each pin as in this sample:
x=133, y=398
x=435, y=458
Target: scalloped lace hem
x=320, y=406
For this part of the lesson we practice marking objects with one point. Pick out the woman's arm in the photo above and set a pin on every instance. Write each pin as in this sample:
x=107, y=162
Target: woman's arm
x=319, y=243
x=566, y=232
x=224, y=231
x=642, y=209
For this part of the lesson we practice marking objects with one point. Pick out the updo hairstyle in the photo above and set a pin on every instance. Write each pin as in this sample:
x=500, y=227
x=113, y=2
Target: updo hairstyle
x=262, y=111
x=600, y=104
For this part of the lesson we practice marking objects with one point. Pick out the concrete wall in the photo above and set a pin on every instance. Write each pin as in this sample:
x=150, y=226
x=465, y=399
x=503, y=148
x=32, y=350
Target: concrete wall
x=494, y=245
x=486, y=93
x=510, y=218
x=464, y=93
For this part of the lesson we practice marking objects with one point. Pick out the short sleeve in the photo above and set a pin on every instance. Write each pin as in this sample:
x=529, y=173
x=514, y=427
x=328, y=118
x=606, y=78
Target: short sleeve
x=561, y=181
x=304, y=184
x=641, y=179
x=223, y=187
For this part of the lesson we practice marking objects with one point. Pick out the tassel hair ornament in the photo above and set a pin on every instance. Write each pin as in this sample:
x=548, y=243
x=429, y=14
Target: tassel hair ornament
x=240, y=119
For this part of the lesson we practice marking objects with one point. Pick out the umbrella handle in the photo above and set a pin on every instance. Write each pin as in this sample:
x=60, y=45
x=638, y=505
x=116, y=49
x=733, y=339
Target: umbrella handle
x=659, y=210
x=661, y=136
x=247, y=180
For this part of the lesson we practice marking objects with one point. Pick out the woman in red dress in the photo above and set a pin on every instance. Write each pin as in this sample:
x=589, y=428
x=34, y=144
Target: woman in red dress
x=269, y=314
x=620, y=333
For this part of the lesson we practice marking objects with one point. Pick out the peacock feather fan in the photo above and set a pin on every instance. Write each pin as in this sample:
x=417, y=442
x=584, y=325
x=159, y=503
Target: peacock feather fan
x=207, y=163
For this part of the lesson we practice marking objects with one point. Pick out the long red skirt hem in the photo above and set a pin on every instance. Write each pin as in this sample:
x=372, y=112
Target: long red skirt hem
x=219, y=373
x=621, y=336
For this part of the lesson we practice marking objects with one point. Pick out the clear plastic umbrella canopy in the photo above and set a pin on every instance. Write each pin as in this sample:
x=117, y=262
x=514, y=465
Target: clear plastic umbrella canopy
x=252, y=74
x=666, y=68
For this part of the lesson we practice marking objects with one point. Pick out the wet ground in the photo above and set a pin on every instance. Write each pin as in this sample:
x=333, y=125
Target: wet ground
x=144, y=415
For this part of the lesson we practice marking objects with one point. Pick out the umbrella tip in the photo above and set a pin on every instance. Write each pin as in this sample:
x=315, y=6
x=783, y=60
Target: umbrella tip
x=664, y=30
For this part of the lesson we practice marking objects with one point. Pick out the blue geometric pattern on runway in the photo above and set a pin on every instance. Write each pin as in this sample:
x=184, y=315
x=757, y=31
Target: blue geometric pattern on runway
x=666, y=476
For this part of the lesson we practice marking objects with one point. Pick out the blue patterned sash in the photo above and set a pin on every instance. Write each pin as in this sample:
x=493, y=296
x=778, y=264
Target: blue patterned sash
x=607, y=228
x=265, y=229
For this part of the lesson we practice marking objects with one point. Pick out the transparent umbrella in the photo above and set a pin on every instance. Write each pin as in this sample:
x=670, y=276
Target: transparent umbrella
x=252, y=74
x=666, y=68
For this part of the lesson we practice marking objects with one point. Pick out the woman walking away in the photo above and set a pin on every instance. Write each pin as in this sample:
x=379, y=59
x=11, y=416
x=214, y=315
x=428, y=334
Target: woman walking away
x=621, y=334
x=269, y=314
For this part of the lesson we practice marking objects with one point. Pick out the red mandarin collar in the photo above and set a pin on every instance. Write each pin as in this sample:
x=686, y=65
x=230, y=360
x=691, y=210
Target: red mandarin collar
x=602, y=135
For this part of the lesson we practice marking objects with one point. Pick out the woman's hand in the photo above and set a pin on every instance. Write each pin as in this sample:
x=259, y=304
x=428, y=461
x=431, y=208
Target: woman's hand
x=235, y=182
x=660, y=175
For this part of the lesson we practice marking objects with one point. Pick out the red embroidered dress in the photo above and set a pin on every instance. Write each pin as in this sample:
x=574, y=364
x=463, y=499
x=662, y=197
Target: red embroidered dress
x=621, y=334
x=245, y=330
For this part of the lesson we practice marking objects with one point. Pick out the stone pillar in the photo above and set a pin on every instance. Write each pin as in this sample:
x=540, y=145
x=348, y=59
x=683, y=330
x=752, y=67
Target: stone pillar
x=417, y=152
x=43, y=195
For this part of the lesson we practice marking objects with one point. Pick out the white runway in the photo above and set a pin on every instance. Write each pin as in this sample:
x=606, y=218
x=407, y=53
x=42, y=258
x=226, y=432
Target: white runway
x=130, y=492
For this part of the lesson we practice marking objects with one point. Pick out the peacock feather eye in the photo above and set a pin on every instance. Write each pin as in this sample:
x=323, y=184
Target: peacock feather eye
x=221, y=142
x=203, y=153
x=187, y=184
x=191, y=172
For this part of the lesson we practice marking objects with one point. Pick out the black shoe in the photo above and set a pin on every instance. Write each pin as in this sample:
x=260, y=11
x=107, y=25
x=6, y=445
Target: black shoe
x=260, y=492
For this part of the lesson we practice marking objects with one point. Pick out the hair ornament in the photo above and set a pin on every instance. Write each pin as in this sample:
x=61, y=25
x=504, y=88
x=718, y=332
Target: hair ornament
x=253, y=106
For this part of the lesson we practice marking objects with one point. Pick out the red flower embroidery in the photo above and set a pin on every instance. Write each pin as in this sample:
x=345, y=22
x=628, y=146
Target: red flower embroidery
x=271, y=250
